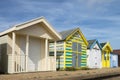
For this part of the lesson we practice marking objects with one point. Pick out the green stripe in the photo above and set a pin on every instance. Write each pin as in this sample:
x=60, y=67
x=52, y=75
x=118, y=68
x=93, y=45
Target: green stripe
x=68, y=65
x=83, y=57
x=83, y=64
x=69, y=54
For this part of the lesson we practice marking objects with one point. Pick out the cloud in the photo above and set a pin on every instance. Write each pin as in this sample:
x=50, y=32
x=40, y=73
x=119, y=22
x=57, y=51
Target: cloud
x=96, y=18
x=96, y=2
x=6, y=24
x=111, y=35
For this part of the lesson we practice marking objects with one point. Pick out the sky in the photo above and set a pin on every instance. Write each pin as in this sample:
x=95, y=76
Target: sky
x=97, y=19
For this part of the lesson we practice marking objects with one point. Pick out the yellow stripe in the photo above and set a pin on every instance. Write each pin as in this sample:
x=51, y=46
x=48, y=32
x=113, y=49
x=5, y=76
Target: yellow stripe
x=68, y=56
x=64, y=53
x=82, y=36
x=68, y=63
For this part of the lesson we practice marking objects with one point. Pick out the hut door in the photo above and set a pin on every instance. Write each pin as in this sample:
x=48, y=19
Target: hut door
x=79, y=60
x=21, y=57
x=79, y=54
x=76, y=57
x=74, y=54
x=34, y=54
x=114, y=61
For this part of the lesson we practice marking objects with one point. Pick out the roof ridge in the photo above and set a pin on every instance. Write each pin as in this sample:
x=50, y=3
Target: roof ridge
x=90, y=43
x=68, y=30
x=64, y=34
x=92, y=39
x=103, y=42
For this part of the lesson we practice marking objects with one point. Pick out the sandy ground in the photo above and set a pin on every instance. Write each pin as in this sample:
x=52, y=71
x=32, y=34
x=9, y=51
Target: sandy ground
x=60, y=75
x=113, y=78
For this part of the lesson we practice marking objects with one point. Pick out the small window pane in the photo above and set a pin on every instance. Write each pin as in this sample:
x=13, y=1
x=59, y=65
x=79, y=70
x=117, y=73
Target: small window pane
x=74, y=58
x=79, y=47
x=51, y=53
x=105, y=56
x=74, y=46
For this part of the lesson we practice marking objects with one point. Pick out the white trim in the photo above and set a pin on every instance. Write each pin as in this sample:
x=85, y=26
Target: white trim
x=27, y=51
x=13, y=51
x=46, y=54
x=55, y=54
x=51, y=28
x=64, y=54
x=29, y=23
x=19, y=57
x=25, y=25
x=7, y=31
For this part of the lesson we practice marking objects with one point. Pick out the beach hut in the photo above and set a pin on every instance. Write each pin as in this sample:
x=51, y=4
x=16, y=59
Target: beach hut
x=94, y=54
x=113, y=60
x=117, y=51
x=24, y=47
x=71, y=50
x=106, y=50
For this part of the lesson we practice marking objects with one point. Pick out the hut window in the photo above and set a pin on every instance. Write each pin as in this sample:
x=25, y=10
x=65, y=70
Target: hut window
x=51, y=53
x=74, y=46
x=79, y=47
x=105, y=56
x=60, y=54
x=108, y=57
x=95, y=63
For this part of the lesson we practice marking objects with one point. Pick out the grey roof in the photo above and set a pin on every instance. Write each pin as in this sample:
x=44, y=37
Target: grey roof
x=90, y=42
x=65, y=34
x=102, y=44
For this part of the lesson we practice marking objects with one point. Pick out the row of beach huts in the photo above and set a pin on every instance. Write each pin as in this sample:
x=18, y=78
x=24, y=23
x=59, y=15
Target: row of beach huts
x=36, y=46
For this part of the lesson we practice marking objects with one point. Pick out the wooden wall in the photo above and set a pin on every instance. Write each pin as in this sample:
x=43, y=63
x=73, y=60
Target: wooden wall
x=76, y=38
x=65, y=52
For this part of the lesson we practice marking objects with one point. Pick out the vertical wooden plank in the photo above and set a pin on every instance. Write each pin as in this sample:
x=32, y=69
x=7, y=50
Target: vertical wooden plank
x=108, y=59
x=16, y=60
x=19, y=53
x=77, y=55
x=46, y=54
x=27, y=51
x=64, y=54
x=13, y=52
x=54, y=56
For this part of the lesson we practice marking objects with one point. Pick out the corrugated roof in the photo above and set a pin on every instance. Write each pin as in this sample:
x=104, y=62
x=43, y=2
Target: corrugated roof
x=66, y=33
x=90, y=42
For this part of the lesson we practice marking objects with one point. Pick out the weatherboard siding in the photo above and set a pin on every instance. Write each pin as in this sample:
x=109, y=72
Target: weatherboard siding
x=94, y=57
x=106, y=59
x=71, y=50
x=113, y=60
x=106, y=50
x=3, y=53
x=68, y=51
x=60, y=53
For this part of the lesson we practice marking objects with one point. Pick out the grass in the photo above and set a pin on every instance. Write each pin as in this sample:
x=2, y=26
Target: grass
x=70, y=69
x=84, y=68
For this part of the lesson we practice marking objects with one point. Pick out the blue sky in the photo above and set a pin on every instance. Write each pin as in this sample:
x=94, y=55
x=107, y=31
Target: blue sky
x=98, y=19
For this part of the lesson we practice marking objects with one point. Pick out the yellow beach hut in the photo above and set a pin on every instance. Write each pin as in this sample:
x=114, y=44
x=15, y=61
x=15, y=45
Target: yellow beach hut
x=106, y=50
